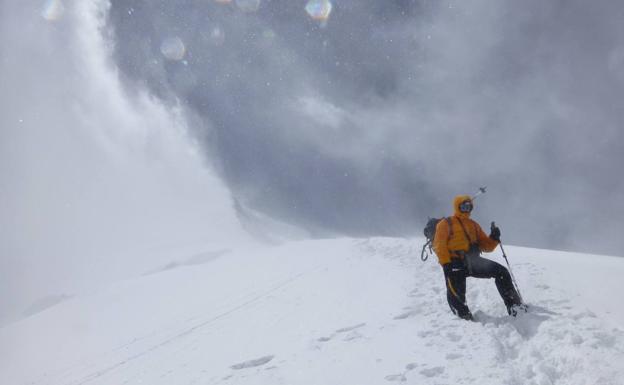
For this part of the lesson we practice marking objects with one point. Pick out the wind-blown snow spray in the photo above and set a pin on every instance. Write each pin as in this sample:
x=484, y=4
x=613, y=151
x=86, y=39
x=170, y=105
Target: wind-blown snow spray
x=98, y=184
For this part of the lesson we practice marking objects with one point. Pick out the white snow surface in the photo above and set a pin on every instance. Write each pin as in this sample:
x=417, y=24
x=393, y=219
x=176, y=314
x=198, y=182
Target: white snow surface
x=343, y=311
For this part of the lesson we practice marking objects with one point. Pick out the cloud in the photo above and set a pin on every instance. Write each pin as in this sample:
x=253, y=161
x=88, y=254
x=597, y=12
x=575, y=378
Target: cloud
x=374, y=120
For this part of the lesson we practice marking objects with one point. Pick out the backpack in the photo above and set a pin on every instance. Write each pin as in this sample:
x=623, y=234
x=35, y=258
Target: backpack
x=429, y=232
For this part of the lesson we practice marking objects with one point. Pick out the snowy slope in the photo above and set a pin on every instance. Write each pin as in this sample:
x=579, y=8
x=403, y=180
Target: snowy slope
x=328, y=312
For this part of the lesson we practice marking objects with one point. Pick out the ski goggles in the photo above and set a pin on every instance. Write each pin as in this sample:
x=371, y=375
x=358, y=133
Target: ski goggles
x=465, y=206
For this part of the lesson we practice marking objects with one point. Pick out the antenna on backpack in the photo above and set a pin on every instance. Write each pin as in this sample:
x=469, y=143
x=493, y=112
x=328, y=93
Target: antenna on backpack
x=482, y=190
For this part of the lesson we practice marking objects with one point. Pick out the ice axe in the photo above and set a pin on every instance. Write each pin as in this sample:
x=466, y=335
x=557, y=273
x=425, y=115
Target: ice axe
x=513, y=279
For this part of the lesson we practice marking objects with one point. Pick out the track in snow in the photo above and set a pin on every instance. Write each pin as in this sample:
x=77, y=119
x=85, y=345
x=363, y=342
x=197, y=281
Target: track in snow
x=555, y=343
x=331, y=312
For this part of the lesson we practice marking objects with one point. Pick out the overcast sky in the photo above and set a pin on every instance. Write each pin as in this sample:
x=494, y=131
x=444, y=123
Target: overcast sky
x=373, y=119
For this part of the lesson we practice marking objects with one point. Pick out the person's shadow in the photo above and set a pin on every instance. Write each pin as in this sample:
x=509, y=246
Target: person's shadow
x=527, y=324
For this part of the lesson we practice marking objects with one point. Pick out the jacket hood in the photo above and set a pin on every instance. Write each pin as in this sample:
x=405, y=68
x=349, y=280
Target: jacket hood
x=457, y=201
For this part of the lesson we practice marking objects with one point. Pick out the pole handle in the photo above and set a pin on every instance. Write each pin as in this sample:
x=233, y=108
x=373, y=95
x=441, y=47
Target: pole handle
x=481, y=190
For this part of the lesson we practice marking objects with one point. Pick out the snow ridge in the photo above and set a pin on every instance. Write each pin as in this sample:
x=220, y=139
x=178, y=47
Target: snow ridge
x=325, y=312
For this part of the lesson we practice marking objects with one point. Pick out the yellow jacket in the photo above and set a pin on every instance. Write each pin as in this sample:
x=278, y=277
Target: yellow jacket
x=448, y=241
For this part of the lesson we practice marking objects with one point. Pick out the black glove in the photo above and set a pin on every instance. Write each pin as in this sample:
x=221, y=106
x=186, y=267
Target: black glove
x=495, y=232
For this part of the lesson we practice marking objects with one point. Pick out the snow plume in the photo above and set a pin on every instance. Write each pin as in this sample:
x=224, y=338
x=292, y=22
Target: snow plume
x=375, y=118
x=96, y=185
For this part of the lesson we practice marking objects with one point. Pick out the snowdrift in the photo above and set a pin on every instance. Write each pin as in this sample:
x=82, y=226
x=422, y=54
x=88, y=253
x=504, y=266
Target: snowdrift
x=343, y=311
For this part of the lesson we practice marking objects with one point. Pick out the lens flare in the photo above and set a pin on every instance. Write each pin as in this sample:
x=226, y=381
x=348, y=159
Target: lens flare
x=53, y=10
x=217, y=36
x=248, y=5
x=268, y=34
x=319, y=9
x=213, y=35
x=173, y=48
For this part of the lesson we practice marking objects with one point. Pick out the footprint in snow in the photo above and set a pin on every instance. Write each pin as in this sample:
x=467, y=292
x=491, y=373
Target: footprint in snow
x=454, y=336
x=350, y=328
x=252, y=363
x=405, y=315
x=396, y=377
x=432, y=372
x=401, y=377
x=354, y=335
x=411, y=366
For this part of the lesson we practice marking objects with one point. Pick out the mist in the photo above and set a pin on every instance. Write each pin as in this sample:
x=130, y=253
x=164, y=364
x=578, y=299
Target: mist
x=97, y=185
x=131, y=128
x=370, y=120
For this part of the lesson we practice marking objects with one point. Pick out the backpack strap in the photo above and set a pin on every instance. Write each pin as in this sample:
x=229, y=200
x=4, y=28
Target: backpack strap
x=474, y=226
x=450, y=226
x=465, y=232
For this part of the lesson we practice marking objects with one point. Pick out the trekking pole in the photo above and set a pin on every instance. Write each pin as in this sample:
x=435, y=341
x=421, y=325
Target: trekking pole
x=482, y=190
x=513, y=279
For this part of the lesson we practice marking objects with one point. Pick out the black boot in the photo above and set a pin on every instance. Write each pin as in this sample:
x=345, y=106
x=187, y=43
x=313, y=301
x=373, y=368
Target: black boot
x=514, y=309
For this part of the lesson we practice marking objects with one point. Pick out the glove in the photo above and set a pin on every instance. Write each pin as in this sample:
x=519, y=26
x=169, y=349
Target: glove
x=495, y=232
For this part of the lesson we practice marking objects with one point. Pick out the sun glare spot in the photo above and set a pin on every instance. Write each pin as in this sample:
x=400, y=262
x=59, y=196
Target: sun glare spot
x=173, y=48
x=53, y=10
x=217, y=36
x=319, y=9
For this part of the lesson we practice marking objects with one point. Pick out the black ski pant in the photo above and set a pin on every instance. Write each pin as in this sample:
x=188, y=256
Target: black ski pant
x=456, y=272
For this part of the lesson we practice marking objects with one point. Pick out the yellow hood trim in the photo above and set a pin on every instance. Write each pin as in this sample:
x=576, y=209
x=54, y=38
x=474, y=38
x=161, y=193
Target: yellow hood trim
x=458, y=201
